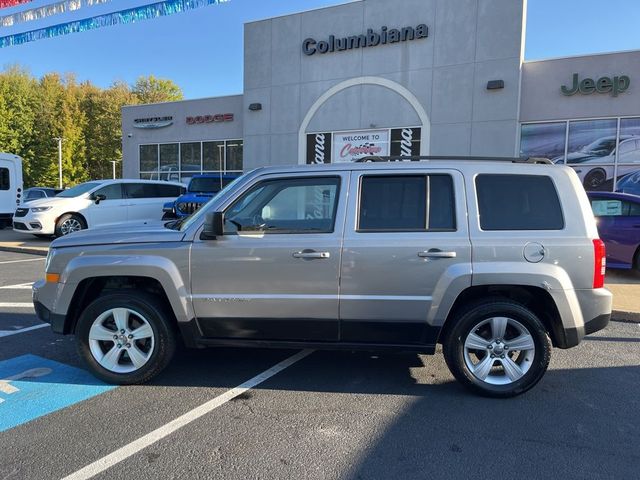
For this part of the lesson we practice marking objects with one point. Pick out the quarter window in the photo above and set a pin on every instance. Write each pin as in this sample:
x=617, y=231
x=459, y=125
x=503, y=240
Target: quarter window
x=518, y=202
x=406, y=203
x=303, y=205
x=614, y=208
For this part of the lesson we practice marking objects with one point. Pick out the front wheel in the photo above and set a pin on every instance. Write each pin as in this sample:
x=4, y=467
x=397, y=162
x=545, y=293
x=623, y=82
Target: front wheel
x=498, y=348
x=125, y=339
x=69, y=223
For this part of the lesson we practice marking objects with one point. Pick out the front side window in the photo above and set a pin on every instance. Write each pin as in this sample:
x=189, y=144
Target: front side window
x=406, y=203
x=4, y=179
x=112, y=192
x=518, y=202
x=303, y=205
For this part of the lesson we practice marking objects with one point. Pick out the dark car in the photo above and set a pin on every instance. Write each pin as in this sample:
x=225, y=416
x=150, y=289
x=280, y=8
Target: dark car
x=35, y=193
x=201, y=189
x=618, y=219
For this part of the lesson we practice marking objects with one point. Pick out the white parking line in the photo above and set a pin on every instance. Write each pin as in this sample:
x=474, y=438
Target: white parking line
x=25, y=260
x=8, y=333
x=150, y=438
x=20, y=286
x=16, y=305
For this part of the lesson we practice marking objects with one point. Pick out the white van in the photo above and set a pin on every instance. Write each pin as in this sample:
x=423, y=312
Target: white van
x=10, y=186
x=99, y=203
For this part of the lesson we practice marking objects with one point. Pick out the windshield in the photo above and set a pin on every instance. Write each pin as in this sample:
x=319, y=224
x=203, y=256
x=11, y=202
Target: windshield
x=205, y=185
x=186, y=222
x=79, y=190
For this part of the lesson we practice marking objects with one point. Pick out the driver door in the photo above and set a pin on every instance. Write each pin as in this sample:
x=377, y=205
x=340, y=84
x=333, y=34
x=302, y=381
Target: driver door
x=274, y=275
x=109, y=212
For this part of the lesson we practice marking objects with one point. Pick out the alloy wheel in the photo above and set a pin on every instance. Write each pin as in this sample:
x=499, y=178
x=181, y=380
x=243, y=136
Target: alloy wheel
x=121, y=340
x=499, y=350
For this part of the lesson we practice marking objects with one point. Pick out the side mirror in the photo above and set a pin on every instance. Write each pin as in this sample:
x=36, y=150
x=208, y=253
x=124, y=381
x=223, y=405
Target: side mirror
x=99, y=197
x=213, y=226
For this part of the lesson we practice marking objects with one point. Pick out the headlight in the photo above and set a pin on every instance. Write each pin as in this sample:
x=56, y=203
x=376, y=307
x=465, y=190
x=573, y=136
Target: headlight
x=40, y=209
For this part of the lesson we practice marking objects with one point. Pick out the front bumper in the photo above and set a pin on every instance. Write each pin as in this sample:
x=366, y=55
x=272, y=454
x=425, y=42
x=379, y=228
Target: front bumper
x=43, y=312
x=34, y=223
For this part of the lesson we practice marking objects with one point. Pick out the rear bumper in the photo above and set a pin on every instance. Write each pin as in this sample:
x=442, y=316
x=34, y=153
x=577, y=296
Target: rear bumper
x=595, y=306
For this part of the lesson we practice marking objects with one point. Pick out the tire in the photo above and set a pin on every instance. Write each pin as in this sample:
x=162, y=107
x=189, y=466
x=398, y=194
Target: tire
x=69, y=223
x=594, y=179
x=99, y=325
x=496, y=376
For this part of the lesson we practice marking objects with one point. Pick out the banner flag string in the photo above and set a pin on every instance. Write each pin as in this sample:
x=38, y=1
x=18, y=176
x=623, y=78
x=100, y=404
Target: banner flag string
x=47, y=11
x=12, y=3
x=122, y=17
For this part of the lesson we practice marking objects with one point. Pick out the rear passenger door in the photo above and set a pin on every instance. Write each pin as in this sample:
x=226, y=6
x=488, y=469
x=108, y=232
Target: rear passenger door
x=145, y=200
x=405, y=238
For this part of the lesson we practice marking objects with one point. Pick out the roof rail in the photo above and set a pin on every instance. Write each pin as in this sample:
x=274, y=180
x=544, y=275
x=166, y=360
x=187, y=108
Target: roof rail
x=420, y=158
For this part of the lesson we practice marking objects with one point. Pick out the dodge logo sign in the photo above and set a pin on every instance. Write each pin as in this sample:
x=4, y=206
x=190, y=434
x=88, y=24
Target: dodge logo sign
x=216, y=118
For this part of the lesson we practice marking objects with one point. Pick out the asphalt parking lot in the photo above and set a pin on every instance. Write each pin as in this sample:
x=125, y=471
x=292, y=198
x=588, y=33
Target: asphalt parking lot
x=326, y=415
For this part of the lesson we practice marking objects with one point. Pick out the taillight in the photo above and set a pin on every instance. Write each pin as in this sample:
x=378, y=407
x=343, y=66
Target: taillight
x=600, y=263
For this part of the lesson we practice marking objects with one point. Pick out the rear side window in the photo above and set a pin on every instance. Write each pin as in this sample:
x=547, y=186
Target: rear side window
x=518, y=202
x=406, y=203
x=4, y=179
x=153, y=190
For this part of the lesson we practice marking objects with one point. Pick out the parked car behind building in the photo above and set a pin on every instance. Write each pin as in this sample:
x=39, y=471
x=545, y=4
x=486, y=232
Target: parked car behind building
x=99, y=203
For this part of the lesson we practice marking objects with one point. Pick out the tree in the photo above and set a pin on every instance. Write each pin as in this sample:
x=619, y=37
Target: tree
x=153, y=90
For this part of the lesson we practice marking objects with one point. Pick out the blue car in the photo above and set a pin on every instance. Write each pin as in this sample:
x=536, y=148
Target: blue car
x=201, y=189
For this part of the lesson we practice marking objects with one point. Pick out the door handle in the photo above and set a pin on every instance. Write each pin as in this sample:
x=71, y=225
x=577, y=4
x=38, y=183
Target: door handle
x=311, y=254
x=434, y=253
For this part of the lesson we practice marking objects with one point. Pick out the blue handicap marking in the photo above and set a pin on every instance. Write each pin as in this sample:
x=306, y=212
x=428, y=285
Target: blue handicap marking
x=32, y=386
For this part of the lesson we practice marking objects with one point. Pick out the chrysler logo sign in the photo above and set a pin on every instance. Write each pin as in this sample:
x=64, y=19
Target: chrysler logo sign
x=311, y=46
x=153, y=122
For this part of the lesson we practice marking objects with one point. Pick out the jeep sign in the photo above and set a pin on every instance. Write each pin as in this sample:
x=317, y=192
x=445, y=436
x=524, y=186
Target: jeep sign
x=587, y=86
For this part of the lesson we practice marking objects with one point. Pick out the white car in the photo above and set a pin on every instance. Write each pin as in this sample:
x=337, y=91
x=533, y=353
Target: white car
x=99, y=203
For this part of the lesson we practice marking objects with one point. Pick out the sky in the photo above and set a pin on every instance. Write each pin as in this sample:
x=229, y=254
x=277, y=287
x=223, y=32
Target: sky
x=202, y=50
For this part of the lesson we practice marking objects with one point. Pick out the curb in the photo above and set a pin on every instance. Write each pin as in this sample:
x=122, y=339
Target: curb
x=27, y=250
x=627, y=317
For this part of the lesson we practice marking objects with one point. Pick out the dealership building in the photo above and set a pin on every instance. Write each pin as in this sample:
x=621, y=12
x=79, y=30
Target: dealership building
x=410, y=77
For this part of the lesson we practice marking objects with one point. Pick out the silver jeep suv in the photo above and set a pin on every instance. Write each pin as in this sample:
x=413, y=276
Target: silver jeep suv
x=495, y=260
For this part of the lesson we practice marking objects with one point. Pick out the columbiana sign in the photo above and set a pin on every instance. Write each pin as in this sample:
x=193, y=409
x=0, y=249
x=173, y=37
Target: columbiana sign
x=370, y=39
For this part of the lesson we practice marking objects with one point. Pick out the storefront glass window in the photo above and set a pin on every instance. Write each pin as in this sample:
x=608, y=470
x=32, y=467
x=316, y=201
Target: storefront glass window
x=592, y=150
x=212, y=156
x=233, y=161
x=628, y=171
x=545, y=140
x=604, y=157
x=148, y=158
x=180, y=161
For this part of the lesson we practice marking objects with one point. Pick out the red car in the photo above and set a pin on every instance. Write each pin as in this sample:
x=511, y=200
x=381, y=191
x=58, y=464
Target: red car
x=618, y=219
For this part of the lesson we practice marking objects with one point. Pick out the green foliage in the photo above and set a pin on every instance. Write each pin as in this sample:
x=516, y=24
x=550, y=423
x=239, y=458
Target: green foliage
x=33, y=112
x=153, y=90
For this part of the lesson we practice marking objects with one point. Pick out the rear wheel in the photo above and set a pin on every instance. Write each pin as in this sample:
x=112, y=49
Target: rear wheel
x=69, y=223
x=125, y=339
x=498, y=348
